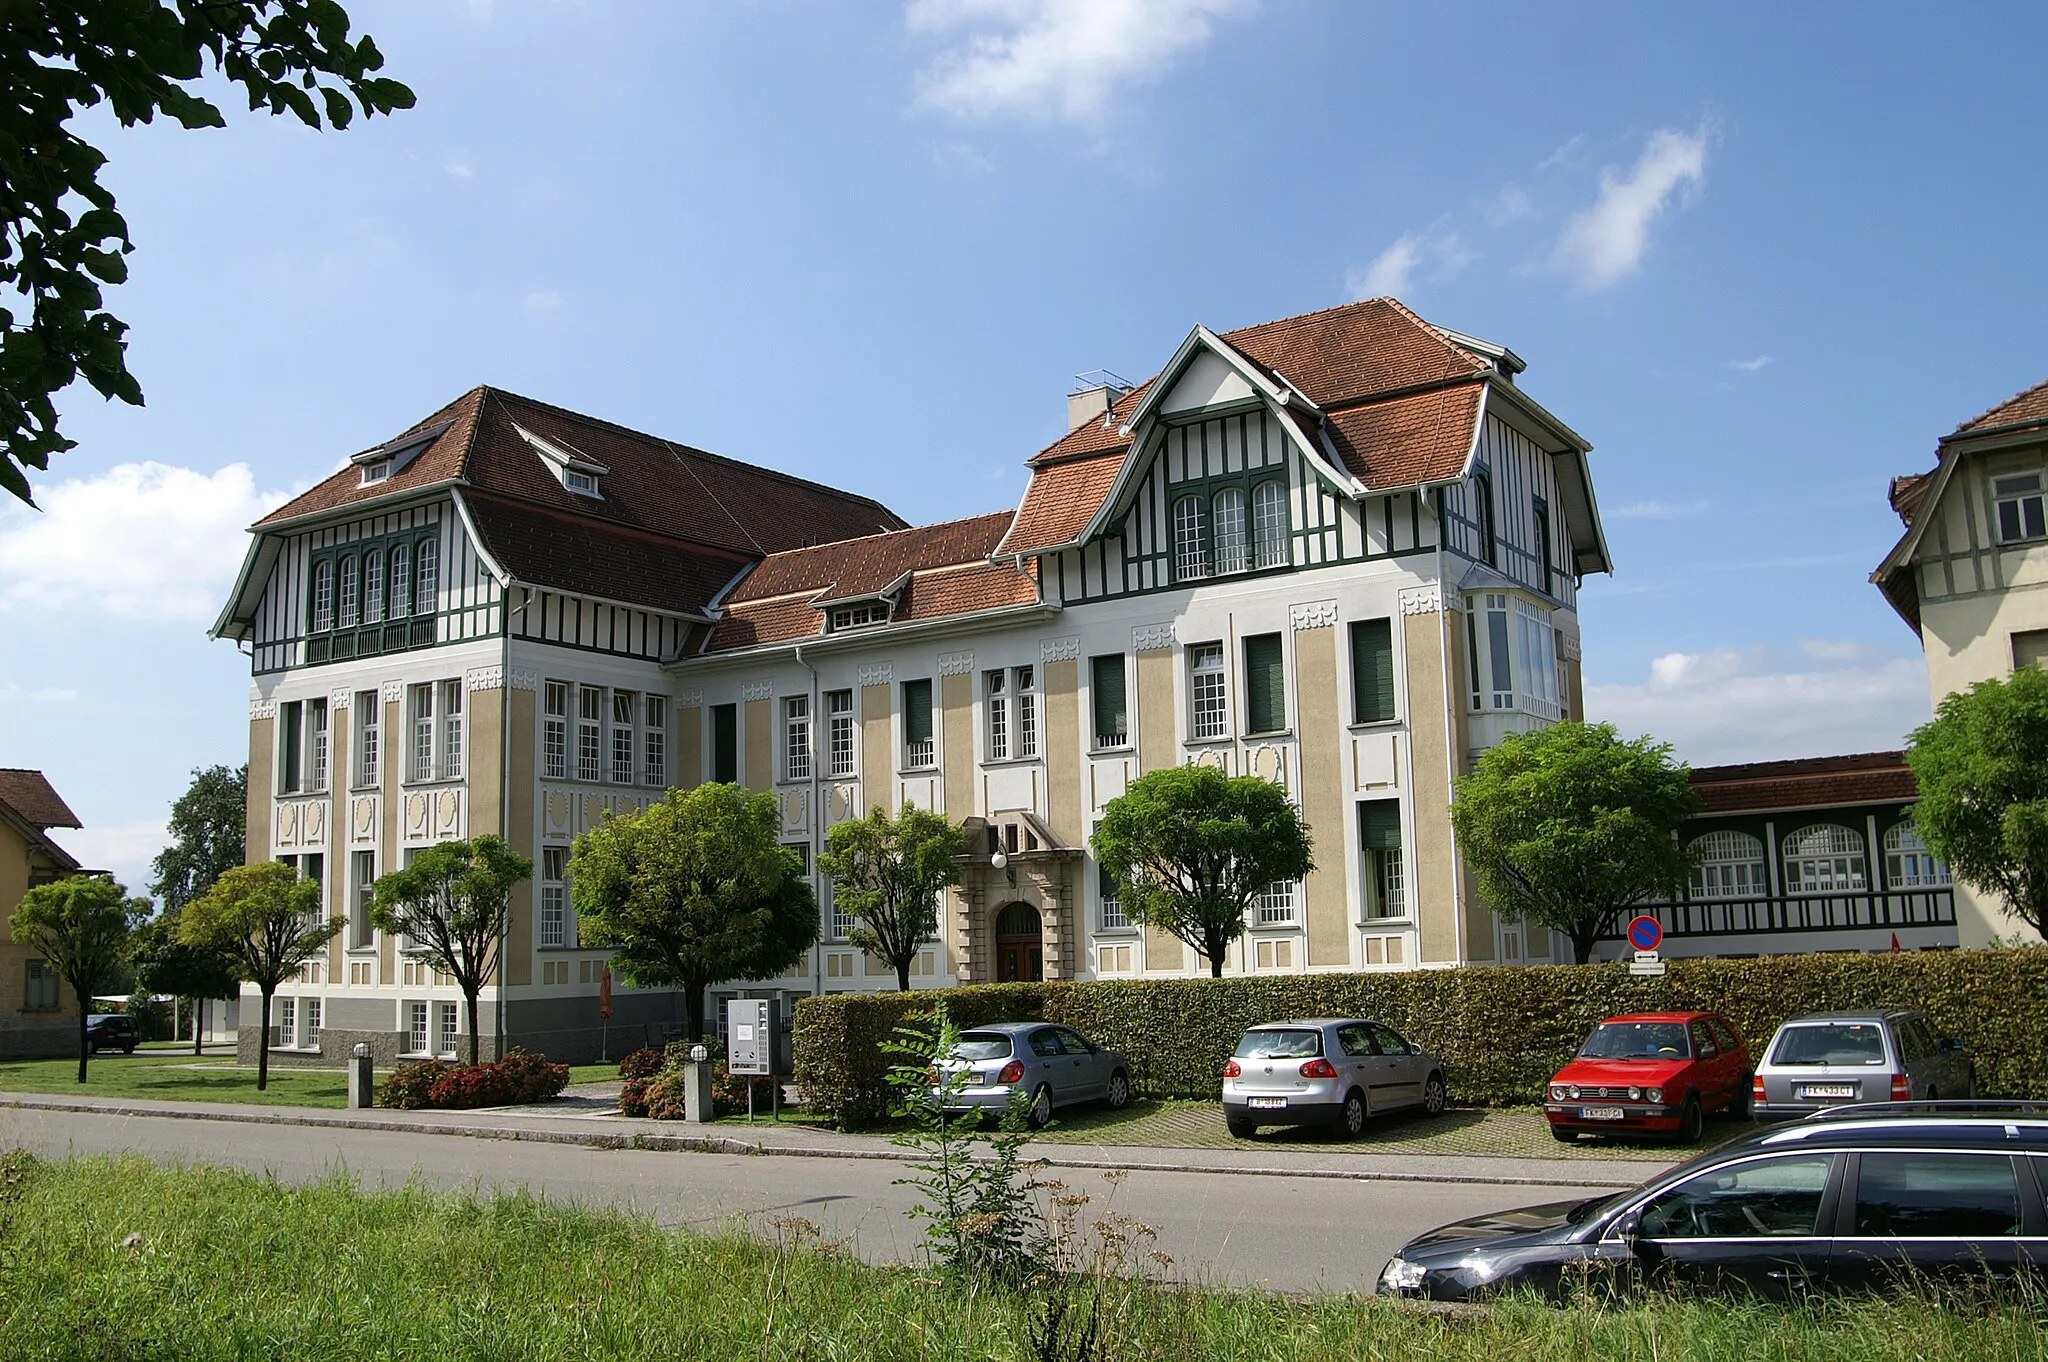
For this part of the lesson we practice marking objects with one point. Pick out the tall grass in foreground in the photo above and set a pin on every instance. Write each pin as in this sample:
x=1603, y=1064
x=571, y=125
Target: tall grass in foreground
x=123, y=1259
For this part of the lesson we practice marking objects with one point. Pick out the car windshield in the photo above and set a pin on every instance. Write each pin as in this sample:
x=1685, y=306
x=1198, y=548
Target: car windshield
x=974, y=1045
x=1277, y=1044
x=1830, y=1043
x=1637, y=1040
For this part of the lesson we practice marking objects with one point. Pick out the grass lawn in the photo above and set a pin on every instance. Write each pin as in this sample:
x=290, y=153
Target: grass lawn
x=175, y=1077
x=126, y=1259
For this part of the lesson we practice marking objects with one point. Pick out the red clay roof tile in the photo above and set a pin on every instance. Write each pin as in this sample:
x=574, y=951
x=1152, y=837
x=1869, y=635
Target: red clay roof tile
x=1810, y=782
x=32, y=798
x=2019, y=409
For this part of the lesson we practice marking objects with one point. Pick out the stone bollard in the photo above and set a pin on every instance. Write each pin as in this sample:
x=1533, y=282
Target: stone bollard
x=362, y=1082
x=697, y=1086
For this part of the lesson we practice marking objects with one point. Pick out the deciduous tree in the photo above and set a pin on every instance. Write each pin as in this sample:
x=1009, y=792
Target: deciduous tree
x=888, y=873
x=166, y=964
x=61, y=236
x=208, y=828
x=1188, y=849
x=1982, y=768
x=266, y=920
x=1570, y=827
x=81, y=927
x=450, y=904
x=694, y=891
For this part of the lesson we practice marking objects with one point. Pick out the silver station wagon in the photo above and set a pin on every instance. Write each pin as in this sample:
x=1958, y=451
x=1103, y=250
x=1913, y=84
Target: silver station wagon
x=1830, y=1059
x=1053, y=1066
x=1327, y=1071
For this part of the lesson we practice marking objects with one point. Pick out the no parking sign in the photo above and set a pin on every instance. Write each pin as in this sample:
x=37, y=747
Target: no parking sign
x=1645, y=933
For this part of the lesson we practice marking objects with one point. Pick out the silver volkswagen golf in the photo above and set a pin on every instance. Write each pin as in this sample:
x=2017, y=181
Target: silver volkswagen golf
x=1327, y=1071
x=1053, y=1066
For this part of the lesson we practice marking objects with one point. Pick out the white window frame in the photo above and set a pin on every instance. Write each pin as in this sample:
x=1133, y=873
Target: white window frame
x=654, y=742
x=1208, y=692
x=320, y=618
x=839, y=732
x=1825, y=859
x=373, y=586
x=419, y=757
x=309, y=1024
x=368, y=707
x=796, y=737
x=426, y=593
x=1275, y=905
x=348, y=608
x=554, y=730
x=838, y=922
x=1536, y=660
x=590, y=734
x=401, y=581
x=1190, y=537
x=581, y=483
x=448, y=753
x=623, y=732
x=417, y=1034
x=362, y=889
x=1271, y=546
x=448, y=1035
x=287, y=1023
x=1230, y=533
x=553, y=932
x=316, y=745
x=1729, y=864
x=860, y=616
x=996, y=701
x=1909, y=864
x=2021, y=495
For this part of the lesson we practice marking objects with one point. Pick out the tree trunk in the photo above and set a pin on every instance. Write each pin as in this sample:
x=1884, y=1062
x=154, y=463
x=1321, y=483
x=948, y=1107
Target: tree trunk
x=263, y=1045
x=198, y=1027
x=1582, y=944
x=84, y=1045
x=693, y=998
x=469, y=999
x=903, y=974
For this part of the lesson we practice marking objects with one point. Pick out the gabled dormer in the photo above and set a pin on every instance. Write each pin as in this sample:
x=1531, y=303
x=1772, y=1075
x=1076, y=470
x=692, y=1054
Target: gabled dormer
x=573, y=469
x=379, y=464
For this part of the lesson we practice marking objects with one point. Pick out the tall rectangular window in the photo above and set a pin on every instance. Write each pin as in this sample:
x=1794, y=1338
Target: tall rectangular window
x=290, y=752
x=1209, y=716
x=839, y=737
x=919, y=751
x=1493, y=675
x=1275, y=907
x=725, y=743
x=426, y=597
x=451, y=729
x=451, y=1027
x=1482, y=518
x=373, y=587
x=316, y=744
x=554, y=730
x=362, y=890
x=1544, y=565
x=368, y=709
x=1379, y=837
x=654, y=743
x=554, y=896
x=39, y=992
x=590, y=734
x=287, y=1020
x=838, y=922
x=796, y=737
x=2018, y=505
x=1190, y=539
x=309, y=1025
x=323, y=595
x=1372, y=671
x=1026, y=700
x=1010, y=700
x=1106, y=693
x=1113, y=918
x=422, y=755
x=350, y=609
x=996, y=701
x=416, y=1028
x=622, y=737
x=1265, y=685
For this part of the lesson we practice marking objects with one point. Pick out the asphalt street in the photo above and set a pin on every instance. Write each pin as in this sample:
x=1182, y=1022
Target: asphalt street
x=1286, y=1233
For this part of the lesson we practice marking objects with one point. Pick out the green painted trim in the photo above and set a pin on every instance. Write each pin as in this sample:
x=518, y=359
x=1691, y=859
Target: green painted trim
x=1188, y=416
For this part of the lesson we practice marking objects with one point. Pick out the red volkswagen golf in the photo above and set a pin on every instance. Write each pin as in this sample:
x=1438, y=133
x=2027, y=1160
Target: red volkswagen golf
x=1651, y=1073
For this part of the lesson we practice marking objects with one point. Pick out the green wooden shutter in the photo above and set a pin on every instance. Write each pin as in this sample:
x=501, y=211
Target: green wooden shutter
x=1379, y=824
x=1265, y=684
x=917, y=711
x=725, y=751
x=1112, y=713
x=1372, y=671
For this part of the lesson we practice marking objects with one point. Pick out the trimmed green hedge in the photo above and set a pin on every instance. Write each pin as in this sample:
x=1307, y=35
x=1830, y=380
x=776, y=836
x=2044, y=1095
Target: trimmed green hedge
x=1500, y=1032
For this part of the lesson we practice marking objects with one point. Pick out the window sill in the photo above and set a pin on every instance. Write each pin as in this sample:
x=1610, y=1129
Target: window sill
x=1122, y=749
x=930, y=770
x=1124, y=931
x=432, y=780
x=1011, y=761
x=1221, y=740
x=1269, y=735
x=1274, y=927
x=1374, y=923
x=1375, y=725
x=363, y=951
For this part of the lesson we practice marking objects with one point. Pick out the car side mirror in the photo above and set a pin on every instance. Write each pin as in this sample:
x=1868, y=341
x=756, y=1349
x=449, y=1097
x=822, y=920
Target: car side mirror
x=1953, y=1044
x=1626, y=1229
x=1414, y=1048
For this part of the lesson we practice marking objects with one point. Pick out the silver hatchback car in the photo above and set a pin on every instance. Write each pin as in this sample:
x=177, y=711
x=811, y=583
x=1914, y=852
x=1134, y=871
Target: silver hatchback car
x=1327, y=1071
x=1054, y=1066
x=1830, y=1059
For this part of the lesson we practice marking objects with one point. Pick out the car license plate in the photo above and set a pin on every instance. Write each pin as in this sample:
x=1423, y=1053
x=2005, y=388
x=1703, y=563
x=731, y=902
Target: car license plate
x=1600, y=1113
x=1266, y=1103
x=1828, y=1090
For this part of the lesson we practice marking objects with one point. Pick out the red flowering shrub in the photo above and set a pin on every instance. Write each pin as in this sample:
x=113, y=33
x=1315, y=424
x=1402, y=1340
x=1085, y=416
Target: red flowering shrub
x=407, y=1088
x=633, y=1097
x=667, y=1095
x=642, y=1063
x=519, y=1077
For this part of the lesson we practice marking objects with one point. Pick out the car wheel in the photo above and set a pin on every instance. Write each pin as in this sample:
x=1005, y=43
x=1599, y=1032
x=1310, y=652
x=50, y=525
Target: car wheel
x=128, y=1049
x=1434, y=1096
x=1353, y=1119
x=1119, y=1095
x=92, y=1047
x=1743, y=1108
x=1243, y=1127
x=1933, y=1094
x=1564, y=1135
x=1039, y=1116
x=1691, y=1120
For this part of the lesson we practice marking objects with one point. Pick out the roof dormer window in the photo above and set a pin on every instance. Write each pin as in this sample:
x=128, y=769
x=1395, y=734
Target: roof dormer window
x=379, y=463
x=582, y=483
x=860, y=616
x=572, y=468
x=376, y=472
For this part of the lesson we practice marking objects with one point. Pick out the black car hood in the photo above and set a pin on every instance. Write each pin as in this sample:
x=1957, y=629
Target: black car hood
x=1528, y=1224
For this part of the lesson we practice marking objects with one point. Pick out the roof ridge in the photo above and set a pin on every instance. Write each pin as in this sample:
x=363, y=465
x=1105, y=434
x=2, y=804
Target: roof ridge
x=884, y=534
x=1981, y=416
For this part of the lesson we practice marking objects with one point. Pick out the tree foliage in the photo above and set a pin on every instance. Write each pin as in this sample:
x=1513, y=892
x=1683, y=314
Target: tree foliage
x=888, y=873
x=264, y=920
x=81, y=927
x=1982, y=767
x=61, y=235
x=209, y=825
x=167, y=965
x=450, y=904
x=694, y=891
x=1570, y=827
x=1188, y=849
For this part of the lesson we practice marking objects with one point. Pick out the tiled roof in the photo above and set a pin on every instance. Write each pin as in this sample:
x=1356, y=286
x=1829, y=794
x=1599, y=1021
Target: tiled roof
x=1907, y=492
x=2019, y=409
x=1811, y=782
x=1362, y=359
x=33, y=800
x=545, y=547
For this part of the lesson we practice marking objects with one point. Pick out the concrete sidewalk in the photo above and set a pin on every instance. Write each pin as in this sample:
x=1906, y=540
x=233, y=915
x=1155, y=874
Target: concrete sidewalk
x=591, y=1119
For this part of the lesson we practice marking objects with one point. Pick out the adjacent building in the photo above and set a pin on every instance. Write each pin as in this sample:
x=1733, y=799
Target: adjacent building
x=35, y=1002
x=1340, y=550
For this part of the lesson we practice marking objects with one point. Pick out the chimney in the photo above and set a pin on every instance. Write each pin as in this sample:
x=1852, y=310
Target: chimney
x=1096, y=392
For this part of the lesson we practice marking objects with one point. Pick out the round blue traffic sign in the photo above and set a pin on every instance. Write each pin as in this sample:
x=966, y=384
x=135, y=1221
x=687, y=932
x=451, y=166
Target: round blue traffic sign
x=1645, y=934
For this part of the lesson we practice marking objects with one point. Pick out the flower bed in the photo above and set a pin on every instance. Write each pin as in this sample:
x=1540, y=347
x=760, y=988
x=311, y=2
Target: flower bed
x=520, y=1077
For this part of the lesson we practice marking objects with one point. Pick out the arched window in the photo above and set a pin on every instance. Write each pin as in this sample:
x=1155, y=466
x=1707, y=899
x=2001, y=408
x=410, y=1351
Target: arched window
x=323, y=596
x=1269, y=524
x=373, y=586
x=1824, y=859
x=401, y=582
x=1190, y=539
x=1908, y=864
x=426, y=596
x=1233, y=551
x=1729, y=865
x=349, y=598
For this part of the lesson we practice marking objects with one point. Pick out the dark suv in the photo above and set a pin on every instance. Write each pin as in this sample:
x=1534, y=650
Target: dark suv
x=1848, y=1198
x=112, y=1031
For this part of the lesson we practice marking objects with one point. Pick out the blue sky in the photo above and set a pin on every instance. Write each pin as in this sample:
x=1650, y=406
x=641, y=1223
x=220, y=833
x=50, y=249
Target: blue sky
x=1761, y=256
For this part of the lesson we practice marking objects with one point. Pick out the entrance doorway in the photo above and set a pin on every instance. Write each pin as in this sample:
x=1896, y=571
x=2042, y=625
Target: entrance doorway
x=1020, y=945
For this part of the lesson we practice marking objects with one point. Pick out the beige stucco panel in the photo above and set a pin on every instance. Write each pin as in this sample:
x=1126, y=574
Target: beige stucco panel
x=760, y=740
x=520, y=766
x=1435, y=886
x=1063, y=753
x=1157, y=748
x=689, y=772
x=1969, y=639
x=956, y=738
x=877, y=747
x=1322, y=795
x=256, y=824
x=388, y=858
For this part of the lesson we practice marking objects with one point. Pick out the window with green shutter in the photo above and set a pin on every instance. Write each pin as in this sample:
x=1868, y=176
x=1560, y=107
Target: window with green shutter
x=918, y=749
x=1379, y=836
x=1372, y=671
x=725, y=749
x=1106, y=689
x=1265, y=684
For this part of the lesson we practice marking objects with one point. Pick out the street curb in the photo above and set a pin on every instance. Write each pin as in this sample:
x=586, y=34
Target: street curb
x=719, y=1144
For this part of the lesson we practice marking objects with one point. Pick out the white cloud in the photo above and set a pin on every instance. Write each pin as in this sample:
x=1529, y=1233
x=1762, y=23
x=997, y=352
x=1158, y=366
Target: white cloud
x=1053, y=58
x=1393, y=270
x=1657, y=510
x=1510, y=205
x=1605, y=243
x=1747, y=366
x=543, y=300
x=141, y=540
x=126, y=849
x=461, y=169
x=1724, y=706
x=44, y=695
x=1825, y=650
x=1566, y=153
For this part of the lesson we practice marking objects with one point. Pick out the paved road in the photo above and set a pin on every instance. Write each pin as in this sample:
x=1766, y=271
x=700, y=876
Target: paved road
x=1288, y=1233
